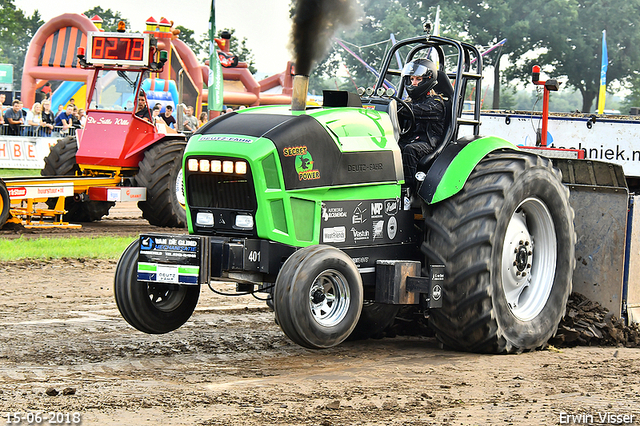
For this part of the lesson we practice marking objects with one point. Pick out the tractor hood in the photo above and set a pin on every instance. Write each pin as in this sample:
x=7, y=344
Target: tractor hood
x=322, y=147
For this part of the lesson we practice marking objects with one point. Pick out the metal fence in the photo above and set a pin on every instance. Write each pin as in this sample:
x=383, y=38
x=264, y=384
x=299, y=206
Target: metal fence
x=35, y=131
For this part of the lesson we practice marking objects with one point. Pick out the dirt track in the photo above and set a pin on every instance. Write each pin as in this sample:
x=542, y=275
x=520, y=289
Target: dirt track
x=231, y=365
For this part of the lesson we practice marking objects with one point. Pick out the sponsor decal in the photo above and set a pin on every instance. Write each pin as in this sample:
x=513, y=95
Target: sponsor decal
x=17, y=192
x=332, y=212
x=378, y=226
x=107, y=121
x=360, y=260
x=391, y=207
x=392, y=227
x=303, y=162
x=334, y=235
x=436, y=293
x=50, y=191
x=131, y=195
x=358, y=213
x=360, y=235
x=294, y=151
x=225, y=139
x=376, y=209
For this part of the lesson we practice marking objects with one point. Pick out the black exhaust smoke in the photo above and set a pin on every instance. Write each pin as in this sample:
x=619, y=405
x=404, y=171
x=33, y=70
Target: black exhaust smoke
x=314, y=23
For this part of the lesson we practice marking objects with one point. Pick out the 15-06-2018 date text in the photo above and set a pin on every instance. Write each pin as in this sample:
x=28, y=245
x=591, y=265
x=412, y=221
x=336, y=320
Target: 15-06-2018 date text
x=43, y=418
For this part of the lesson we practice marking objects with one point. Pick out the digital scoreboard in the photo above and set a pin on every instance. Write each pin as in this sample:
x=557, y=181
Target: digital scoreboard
x=117, y=49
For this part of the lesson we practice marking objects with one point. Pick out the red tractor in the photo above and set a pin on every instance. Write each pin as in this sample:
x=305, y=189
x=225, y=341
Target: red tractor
x=143, y=160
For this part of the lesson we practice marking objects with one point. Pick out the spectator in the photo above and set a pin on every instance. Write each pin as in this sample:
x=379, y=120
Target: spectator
x=75, y=119
x=2, y=107
x=64, y=119
x=72, y=102
x=46, y=91
x=202, y=120
x=13, y=117
x=155, y=114
x=60, y=110
x=48, y=120
x=190, y=122
x=168, y=117
x=83, y=117
x=36, y=120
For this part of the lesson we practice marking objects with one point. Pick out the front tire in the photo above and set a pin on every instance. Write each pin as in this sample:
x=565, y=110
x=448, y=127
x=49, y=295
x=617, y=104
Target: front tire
x=61, y=161
x=161, y=173
x=507, y=241
x=152, y=308
x=318, y=297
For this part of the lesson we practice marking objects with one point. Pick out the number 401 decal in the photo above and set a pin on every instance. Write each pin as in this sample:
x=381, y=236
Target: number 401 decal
x=254, y=256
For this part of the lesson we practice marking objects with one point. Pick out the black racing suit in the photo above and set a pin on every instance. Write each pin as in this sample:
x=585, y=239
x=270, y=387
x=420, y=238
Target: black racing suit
x=425, y=136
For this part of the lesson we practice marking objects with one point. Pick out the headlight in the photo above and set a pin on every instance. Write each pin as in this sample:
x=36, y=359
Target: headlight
x=227, y=166
x=216, y=166
x=244, y=221
x=204, y=165
x=241, y=167
x=204, y=219
x=192, y=165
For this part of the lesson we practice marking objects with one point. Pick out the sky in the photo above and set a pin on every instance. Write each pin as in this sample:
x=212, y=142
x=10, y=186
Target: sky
x=264, y=23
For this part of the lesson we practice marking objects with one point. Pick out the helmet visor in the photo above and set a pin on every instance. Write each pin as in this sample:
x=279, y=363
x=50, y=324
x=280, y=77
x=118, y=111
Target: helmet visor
x=414, y=69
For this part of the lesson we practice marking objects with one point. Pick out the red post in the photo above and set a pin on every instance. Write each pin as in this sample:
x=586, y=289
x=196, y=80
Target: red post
x=549, y=85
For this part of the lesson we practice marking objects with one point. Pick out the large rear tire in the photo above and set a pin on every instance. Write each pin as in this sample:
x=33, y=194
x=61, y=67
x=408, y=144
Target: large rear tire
x=149, y=307
x=61, y=161
x=161, y=173
x=508, y=243
x=318, y=297
x=5, y=204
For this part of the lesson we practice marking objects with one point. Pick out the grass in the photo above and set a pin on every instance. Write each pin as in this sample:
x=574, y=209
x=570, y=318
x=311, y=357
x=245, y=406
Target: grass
x=19, y=172
x=67, y=247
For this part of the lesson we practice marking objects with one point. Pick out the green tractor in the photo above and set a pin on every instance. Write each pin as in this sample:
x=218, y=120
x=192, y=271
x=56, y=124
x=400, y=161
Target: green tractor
x=309, y=206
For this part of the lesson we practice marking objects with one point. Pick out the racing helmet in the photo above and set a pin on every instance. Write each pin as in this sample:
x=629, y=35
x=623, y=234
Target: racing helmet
x=421, y=68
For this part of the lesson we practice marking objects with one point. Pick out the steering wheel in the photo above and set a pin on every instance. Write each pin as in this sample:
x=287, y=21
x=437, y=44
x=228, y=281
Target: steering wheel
x=411, y=116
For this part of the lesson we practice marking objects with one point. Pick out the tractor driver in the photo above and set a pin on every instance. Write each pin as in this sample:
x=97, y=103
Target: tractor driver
x=420, y=77
x=143, y=110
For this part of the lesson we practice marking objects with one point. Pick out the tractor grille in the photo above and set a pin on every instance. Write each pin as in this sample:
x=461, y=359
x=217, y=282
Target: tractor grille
x=221, y=190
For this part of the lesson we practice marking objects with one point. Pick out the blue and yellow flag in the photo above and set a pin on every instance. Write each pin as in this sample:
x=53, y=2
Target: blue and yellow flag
x=603, y=73
x=216, y=88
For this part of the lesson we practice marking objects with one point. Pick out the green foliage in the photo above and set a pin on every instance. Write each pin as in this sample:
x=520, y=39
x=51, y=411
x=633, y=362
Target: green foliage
x=56, y=248
x=16, y=31
x=110, y=18
x=19, y=172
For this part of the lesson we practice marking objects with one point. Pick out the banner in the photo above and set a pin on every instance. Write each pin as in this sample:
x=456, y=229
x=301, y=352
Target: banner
x=216, y=88
x=603, y=73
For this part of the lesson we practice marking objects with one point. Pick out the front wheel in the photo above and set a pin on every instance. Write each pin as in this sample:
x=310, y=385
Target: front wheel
x=153, y=308
x=318, y=297
x=507, y=241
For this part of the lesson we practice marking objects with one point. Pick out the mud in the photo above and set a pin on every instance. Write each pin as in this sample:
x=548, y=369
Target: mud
x=65, y=349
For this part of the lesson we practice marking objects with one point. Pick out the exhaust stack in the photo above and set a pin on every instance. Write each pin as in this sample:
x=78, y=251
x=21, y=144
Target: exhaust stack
x=299, y=95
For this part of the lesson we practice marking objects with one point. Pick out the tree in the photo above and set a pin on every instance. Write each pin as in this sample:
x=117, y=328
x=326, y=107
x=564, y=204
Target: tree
x=16, y=31
x=110, y=18
x=186, y=35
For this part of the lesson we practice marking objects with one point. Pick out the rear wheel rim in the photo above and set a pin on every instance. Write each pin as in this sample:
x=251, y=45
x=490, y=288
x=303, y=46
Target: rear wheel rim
x=329, y=298
x=529, y=257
